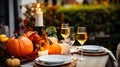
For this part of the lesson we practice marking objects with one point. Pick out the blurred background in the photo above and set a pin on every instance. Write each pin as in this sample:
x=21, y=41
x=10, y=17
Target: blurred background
x=101, y=17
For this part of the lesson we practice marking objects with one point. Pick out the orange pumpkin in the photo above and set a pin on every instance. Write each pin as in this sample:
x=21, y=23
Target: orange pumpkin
x=19, y=47
x=53, y=48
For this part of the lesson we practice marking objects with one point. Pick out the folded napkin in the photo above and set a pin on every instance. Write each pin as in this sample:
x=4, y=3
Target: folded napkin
x=113, y=62
x=110, y=53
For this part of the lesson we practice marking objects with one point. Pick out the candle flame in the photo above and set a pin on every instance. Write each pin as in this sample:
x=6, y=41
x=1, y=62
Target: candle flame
x=38, y=5
x=38, y=9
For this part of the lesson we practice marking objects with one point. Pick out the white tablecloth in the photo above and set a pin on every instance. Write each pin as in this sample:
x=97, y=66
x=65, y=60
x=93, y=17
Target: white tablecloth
x=96, y=61
x=91, y=61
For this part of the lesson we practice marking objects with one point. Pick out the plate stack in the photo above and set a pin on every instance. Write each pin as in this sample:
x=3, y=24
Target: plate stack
x=53, y=61
x=92, y=50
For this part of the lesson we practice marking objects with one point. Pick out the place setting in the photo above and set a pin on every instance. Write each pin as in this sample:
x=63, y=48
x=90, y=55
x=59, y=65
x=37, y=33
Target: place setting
x=92, y=50
x=54, y=61
x=65, y=59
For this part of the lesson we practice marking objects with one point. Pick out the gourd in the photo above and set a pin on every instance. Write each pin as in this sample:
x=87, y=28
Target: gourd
x=64, y=47
x=53, y=48
x=3, y=38
x=12, y=62
x=19, y=47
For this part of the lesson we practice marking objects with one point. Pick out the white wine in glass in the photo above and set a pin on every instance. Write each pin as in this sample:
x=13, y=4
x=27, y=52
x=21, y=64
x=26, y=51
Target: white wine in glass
x=65, y=30
x=81, y=37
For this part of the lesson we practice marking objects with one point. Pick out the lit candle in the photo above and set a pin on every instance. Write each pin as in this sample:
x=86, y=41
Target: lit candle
x=39, y=16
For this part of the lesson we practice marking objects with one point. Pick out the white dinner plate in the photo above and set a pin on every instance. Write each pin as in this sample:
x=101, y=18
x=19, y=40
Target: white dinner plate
x=53, y=60
x=92, y=48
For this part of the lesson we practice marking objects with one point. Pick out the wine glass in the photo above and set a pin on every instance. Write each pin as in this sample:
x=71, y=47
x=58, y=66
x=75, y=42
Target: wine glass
x=81, y=38
x=72, y=40
x=72, y=36
x=65, y=31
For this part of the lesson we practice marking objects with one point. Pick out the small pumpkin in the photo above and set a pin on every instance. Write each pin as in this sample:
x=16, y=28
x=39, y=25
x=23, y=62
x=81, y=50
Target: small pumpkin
x=64, y=46
x=12, y=62
x=53, y=48
x=3, y=38
x=19, y=47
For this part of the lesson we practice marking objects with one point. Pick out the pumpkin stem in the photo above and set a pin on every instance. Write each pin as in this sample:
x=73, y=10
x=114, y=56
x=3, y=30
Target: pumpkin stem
x=50, y=41
x=12, y=57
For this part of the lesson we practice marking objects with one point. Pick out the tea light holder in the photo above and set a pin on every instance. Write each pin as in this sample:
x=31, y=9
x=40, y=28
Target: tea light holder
x=42, y=53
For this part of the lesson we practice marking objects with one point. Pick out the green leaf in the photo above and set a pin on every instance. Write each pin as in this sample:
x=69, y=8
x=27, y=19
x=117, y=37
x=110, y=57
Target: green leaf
x=51, y=30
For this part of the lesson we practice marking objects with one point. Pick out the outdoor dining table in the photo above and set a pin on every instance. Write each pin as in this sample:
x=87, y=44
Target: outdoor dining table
x=105, y=59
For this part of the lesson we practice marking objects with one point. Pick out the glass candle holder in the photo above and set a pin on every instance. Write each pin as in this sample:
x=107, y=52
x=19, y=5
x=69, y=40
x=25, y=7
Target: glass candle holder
x=41, y=53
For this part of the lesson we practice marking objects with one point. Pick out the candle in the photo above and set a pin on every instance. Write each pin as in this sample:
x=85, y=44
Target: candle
x=41, y=53
x=39, y=16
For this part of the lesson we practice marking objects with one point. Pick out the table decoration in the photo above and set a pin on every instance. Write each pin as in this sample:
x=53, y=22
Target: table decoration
x=39, y=19
x=51, y=31
x=42, y=53
x=33, y=18
x=13, y=62
x=19, y=47
x=3, y=39
x=53, y=48
x=39, y=16
x=44, y=43
x=65, y=47
x=35, y=43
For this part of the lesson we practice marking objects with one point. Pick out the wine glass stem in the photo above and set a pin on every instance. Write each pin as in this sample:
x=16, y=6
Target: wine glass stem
x=81, y=51
x=65, y=39
x=81, y=56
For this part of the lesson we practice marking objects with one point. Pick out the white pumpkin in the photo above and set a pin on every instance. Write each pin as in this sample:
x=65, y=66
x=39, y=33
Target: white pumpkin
x=13, y=62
